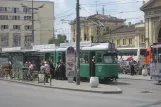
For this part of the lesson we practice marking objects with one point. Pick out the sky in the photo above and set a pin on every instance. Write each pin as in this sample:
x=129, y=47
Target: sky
x=65, y=10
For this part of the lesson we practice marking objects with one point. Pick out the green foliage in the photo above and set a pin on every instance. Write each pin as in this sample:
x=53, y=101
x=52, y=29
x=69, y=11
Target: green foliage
x=60, y=39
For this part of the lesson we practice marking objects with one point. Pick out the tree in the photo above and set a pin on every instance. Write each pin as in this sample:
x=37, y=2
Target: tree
x=60, y=39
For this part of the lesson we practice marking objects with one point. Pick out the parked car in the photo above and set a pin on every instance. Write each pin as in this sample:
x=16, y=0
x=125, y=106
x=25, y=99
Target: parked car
x=125, y=66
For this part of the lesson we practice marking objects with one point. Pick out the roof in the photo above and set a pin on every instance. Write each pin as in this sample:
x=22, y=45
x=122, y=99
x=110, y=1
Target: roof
x=100, y=17
x=122, y=29
x=145, y=6
x=105, y=18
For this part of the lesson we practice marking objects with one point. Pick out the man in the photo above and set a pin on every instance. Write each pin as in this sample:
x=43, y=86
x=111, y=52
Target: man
x=132, y=66
x=47, y=70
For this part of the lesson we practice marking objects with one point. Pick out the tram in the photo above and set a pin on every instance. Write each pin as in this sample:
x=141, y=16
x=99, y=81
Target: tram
x=105, y=65
x=155, y=64
x=106, y=62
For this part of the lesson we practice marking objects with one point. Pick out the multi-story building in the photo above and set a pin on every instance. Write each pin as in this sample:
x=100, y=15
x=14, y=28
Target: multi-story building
x=90, y=26
x=16, y=22
x=131, y=35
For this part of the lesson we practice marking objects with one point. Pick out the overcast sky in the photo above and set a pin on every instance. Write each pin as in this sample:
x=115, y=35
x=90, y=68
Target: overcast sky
x=126, y=9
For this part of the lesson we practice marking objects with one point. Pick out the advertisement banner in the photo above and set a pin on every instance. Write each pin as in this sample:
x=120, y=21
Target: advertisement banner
x=70, y=62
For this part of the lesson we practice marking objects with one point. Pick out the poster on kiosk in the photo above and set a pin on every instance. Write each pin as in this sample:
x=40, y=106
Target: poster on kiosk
x=70, y=64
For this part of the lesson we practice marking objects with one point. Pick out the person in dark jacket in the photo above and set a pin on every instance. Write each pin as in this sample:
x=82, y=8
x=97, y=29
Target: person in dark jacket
x=62, y=70
x=57, y=71
x=52, y=68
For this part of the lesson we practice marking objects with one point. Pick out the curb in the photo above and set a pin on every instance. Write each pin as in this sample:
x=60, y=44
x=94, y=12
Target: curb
x=134, y=79
x=119, y=91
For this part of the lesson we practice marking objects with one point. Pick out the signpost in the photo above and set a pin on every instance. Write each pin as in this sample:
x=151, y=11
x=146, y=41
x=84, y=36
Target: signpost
x=70, y=64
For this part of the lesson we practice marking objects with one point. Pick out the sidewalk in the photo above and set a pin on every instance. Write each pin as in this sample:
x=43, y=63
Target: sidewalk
x=64, y=85
x=135, y=77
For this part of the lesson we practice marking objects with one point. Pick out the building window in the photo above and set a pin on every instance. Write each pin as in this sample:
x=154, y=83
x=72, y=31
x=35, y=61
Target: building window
x=142, y=38
x=28, y=27
x=15, y=10
x=3, y=17
x=124, y=41
x=4, y=39
x=18, y=27
x=28, y=39
x=4, y=27
x=15, y=17
x=16, y=39
x=118, y=41
x=3, y=9
x=130, y=41
x=26, y=10
x=27, y=17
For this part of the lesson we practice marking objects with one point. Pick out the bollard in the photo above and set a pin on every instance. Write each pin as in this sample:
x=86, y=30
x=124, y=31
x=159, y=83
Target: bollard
x=94, y=82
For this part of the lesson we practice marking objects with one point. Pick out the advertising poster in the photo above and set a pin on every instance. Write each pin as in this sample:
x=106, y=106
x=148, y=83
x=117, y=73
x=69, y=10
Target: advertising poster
x=70, y=62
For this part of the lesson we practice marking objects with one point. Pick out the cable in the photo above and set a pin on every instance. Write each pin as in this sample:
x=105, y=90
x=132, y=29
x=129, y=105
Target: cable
x=111, y=3
x=65, y=12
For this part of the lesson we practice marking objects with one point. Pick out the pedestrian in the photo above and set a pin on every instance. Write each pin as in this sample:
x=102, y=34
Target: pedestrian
x=62, y=70
x=47, y=71
x=132, y=66
x=57, y=71
x=31, y=68
x=52, y=68
x=93, y=66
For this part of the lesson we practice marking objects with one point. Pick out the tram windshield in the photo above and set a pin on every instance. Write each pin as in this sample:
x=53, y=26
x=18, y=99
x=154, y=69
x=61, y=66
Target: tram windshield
x=110, y=58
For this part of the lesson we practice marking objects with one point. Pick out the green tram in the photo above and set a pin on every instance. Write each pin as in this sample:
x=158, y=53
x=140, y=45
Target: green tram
x=106, y=63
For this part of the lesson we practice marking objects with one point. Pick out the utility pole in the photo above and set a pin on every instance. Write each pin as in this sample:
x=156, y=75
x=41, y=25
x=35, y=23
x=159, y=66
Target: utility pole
x=77, y=45
x=97, y=40
x=33, y=21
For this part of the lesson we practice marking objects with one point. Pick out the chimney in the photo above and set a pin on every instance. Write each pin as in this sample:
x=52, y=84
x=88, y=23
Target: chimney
x=143, y=2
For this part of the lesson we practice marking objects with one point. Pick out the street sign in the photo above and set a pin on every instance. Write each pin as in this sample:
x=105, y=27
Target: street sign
x=70, y=63
x=47, y=46
x=11, y=49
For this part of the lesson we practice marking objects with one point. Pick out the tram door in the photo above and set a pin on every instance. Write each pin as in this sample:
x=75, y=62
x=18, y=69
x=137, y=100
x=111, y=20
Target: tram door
x=63, y=57
x=92, y=64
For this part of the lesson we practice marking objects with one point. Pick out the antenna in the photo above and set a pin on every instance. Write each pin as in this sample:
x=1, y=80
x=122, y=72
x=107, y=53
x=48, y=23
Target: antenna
x=103, y=10
x=96, y=6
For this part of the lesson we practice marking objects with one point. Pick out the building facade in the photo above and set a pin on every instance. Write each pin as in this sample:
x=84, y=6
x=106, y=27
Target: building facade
x=131, y=35
x=16, y=22
x=94, y=25
x=152, y=10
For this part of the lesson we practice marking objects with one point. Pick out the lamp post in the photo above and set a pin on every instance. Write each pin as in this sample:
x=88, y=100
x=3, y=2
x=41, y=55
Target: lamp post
x=32, y=8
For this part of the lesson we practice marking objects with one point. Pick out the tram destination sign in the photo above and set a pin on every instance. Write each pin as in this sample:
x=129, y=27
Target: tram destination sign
x=73, y=44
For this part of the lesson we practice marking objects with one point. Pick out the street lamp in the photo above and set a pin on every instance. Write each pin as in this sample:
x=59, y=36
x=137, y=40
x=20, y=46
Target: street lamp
x=32, y=15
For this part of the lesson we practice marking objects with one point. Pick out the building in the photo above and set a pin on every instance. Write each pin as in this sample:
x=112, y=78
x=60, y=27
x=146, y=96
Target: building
x=131, y=35
x=16, y=22
x=94, y=25
x=152, y=12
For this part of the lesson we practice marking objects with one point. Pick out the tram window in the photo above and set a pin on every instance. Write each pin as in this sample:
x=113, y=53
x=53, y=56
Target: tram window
x=159, y=55
x=99, y=57
x=110, y=58
x=84, y=57
x=59, y=58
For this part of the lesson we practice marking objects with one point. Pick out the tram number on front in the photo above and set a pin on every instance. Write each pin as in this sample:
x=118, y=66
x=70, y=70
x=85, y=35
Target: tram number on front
x=99, y=68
